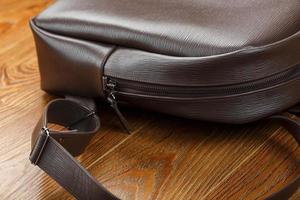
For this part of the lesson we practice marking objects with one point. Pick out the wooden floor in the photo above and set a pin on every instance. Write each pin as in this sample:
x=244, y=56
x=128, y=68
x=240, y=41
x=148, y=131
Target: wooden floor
x=165, y=157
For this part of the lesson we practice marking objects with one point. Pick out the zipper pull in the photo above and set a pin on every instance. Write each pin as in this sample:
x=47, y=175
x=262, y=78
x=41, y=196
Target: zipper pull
x=111, y=99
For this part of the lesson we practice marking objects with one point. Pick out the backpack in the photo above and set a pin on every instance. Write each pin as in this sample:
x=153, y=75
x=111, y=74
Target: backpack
x=208, y=61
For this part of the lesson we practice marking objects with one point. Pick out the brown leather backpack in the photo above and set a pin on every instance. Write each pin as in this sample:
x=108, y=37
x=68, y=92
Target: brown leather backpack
x=205, y=60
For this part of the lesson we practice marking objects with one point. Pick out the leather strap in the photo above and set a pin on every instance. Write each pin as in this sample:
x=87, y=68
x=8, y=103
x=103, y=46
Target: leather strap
x=53, y=151
x=294, y=128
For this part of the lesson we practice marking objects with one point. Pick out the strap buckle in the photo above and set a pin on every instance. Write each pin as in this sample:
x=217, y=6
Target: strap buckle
x=39, y=146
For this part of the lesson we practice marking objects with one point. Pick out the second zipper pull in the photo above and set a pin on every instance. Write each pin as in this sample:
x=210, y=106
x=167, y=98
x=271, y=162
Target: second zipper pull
x=110, y=86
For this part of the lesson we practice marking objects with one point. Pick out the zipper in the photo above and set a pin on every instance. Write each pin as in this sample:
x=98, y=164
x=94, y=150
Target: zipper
x=123, y=87
x=111, y=99
x=117, y=86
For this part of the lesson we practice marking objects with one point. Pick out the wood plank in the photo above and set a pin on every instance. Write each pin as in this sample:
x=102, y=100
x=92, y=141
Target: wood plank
x=165, y=158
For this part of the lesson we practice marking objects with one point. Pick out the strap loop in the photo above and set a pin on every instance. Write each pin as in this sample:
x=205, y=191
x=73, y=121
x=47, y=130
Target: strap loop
x=55, y=157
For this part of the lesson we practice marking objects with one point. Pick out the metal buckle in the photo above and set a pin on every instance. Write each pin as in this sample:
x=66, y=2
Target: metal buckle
x=39, y=146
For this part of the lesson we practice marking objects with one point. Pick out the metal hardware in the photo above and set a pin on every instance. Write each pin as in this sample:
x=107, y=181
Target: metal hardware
x=110, y=86
x=39, y=146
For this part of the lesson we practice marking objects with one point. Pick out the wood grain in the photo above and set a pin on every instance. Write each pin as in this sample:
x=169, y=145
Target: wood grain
x=165, y=157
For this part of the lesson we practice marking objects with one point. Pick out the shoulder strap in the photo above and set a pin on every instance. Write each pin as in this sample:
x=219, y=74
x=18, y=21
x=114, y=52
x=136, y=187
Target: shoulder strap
x=53, y=151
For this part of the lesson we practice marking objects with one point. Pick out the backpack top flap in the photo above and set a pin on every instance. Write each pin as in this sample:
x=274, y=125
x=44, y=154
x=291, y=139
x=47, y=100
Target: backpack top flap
x=175, y=27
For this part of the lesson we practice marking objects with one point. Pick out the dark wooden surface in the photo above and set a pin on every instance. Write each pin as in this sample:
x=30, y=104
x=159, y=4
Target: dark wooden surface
x=165, y=157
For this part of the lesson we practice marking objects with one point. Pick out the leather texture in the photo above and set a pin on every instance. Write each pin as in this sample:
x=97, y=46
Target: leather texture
x=73, y=66
x=248, y=41
x=175, y=27
x=79, y=42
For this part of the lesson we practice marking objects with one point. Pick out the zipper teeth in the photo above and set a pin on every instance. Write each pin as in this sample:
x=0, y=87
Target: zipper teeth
x=194, y=91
